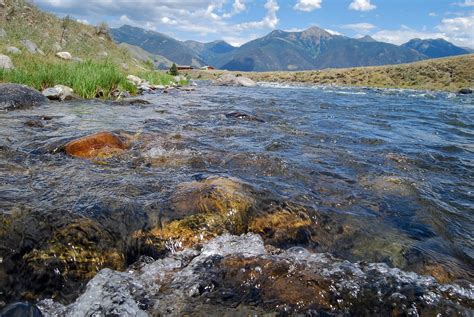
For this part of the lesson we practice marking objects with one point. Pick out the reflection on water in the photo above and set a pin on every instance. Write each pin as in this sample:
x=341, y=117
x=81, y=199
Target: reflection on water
x=372, y=175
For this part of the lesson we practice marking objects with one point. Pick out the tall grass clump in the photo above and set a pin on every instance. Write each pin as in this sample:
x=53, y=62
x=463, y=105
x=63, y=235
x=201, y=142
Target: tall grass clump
x=88, y=79
x=159, y=78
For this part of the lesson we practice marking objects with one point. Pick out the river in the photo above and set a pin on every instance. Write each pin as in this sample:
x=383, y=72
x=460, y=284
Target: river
x=380, y=175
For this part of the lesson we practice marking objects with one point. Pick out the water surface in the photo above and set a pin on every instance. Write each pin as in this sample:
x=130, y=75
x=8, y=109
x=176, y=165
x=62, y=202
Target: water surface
x=396, y=167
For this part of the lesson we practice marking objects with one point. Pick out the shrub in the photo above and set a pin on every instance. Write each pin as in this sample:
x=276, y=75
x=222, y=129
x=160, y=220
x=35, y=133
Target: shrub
x=173, y=70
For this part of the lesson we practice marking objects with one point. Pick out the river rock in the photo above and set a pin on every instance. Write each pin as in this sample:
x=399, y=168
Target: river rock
x=14, y=96
x=59, y=92
x=64, y=55
x=216, y=194
x=134, y=79
x=13, y=50
x=99, y=145
x=237, y=275
x=2, y=32
x=232, y=80
x=465, y=91
x=21, y=309
x=205, y=209
x=6, y=63
x=31, y=47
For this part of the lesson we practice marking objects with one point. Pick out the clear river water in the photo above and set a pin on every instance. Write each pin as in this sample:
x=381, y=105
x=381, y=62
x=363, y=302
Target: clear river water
x=381, y=176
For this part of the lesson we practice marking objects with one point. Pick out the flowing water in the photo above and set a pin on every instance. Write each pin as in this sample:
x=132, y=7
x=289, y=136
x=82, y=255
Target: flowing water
x=383, y=175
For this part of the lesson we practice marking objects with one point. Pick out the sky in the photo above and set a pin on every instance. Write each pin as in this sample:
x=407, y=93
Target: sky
x=238, y=21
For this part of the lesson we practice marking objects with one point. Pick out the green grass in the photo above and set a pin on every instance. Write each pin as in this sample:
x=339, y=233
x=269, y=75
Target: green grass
x=88, y=79
x=159, y=78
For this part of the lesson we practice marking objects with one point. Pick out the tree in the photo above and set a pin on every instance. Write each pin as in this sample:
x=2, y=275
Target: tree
x=173, y=70
x=64, y=25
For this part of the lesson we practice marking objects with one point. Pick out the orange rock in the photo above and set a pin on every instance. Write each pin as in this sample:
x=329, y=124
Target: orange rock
x=99, y=145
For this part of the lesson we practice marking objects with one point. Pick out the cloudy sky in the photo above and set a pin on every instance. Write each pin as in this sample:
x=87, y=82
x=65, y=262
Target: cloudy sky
x=238, y=21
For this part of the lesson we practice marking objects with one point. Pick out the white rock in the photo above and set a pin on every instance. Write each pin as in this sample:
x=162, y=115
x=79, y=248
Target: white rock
x=59, y=92
x=232, y=80
x=13, y=50
x=134, y=80
x=31, y=47
x=64, y=55
x=6, y=63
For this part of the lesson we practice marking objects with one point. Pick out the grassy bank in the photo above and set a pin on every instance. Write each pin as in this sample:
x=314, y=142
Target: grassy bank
x=89, y=79
x=447, y=74
x=105, y=65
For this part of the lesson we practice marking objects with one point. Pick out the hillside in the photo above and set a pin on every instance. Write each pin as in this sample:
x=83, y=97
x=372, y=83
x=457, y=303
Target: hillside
x=435, y=48
x=23, y=21
x=157, y=44
x=94, y=66
x=447, y=74
x=159, y=62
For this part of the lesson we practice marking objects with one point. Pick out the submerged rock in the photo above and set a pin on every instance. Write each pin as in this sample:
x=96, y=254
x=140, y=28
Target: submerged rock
x=205, y=209
x=243, y=116
x=232, y=80
x=99, y=145
x=21, y=309
x=14, y=96
x=220, y=195
x=6, y=63
x=59, y=92
x=231, y=275
x=465, y=91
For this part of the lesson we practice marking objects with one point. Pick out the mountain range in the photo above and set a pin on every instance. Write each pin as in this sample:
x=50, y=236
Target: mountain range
x=311, y=49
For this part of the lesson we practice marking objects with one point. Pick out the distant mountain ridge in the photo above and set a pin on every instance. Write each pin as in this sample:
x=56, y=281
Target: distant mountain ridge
x=435, y=48
x=312, y=49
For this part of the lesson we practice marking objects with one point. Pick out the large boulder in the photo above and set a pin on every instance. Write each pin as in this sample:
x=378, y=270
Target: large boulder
x=14, y=96
x=6, y=63
x=59, y=92
x=64, y=55
x=99, y=145
x=237, y=81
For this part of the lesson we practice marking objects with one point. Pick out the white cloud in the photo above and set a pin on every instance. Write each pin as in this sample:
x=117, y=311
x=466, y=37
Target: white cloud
x=332, y=32
x=466, y=3
x=403, y=35
x=362, y=5
x=201, y=17
x=456, y=30
x=459, y=30
x=359, y=27
x=432, y=14
x=308, y=5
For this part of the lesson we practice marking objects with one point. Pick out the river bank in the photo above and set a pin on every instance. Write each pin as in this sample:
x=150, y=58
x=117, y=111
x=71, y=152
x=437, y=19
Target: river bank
x=445, y=74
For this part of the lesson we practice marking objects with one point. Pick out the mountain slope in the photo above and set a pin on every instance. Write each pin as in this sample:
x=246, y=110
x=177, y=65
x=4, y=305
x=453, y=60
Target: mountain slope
x=315, y=49
x=140, y=54
x=158, y=44
x=435, y=48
